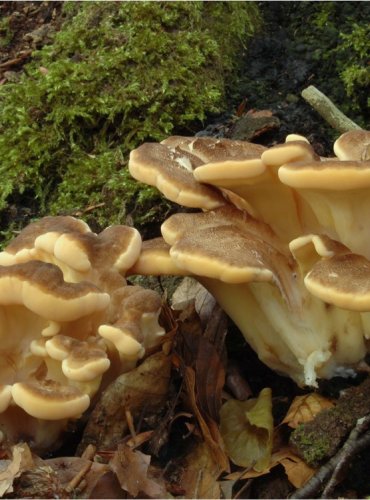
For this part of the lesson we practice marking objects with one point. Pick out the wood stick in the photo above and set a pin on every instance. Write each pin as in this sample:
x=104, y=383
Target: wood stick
x=327, y=109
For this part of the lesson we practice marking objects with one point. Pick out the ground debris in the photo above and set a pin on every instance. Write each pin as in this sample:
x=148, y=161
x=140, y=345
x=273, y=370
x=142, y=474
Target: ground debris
x=319, y=439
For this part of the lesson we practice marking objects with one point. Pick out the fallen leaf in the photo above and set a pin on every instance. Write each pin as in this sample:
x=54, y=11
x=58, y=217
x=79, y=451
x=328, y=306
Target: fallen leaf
x=141, y=391
x=247, y=430
x=297, y=471
x=132, y=470
x=304, y=409
x=209, y=429
x=199, y=478
x=11, y=469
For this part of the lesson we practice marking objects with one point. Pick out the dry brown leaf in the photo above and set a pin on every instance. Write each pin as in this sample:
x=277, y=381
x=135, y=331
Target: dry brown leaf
x=200, y=474
x=143, y=389
x=132, y=470
x=304, y=409
x=209, y=430
x=11, y=469
x=297, y=471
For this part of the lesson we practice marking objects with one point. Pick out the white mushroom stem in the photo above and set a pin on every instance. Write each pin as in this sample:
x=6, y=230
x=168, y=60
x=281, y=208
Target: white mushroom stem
x=317, y=340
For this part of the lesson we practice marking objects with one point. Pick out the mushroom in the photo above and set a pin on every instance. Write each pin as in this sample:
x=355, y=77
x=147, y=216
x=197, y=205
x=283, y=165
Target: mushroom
x=272, y=290
x=353, y=145
x=132, y=325
x=81, y=254
x=34, y=299
x=262, y=288
x=256, y=181
x=338, y=193
x=60, y=286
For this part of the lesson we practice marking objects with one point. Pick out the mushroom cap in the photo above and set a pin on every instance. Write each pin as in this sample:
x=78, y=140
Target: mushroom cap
x=291, y=151
x=342, y=280
x=226, y=245
x=335, y=175
x=81, y=361
x=40, y=287
x=51, y=226
x=155, y=260
x=78, y=252
x=353, y=145
x=171, y=171
x=50, y=400
x=133, y=327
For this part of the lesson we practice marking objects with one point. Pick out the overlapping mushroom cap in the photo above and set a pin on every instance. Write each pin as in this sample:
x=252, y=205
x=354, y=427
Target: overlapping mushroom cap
x=298, y=304
x=60, y=286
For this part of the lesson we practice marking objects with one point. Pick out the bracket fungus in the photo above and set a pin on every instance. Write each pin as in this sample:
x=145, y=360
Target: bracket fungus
x=62, y=293
x=289, y=267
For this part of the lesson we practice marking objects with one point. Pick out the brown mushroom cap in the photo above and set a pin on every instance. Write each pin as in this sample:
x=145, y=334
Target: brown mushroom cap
x=254, y=179
x=41, y=288
x=134, y=326
x=308, y=249
x=79, y=253
x=342, y=280
x=229, y=246
x=171, y=171
x=50, y=400
x=81, y=361
x=353, y=145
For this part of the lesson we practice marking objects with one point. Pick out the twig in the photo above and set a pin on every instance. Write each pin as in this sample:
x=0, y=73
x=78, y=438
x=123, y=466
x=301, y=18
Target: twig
x=16, y=60
x=327, y=109
x=88, y=454
x=358, y=440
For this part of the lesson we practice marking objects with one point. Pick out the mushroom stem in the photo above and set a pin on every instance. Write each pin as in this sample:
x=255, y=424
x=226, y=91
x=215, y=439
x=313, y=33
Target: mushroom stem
x=305, y=343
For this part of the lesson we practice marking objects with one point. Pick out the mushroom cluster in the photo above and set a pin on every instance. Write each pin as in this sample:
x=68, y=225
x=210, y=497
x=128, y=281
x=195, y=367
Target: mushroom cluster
x=69, y=323
x=281, y=241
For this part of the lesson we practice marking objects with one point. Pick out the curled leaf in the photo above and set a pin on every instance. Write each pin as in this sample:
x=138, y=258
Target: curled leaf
x=304, y=409
x=247, y=430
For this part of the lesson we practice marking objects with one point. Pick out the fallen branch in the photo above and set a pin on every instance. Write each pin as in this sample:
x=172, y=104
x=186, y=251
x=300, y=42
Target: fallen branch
x=16, y=60
x=358, y=440
x=327, y=109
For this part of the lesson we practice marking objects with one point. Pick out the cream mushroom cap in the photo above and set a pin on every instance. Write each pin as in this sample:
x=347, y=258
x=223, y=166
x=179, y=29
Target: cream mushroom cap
x=155, y=259
x=41, y=288
x=333, y=175
x=171, y=171
x=342, y=280
x=290, y=151
x=338, y=193
x=50, y=400
x=353, y=145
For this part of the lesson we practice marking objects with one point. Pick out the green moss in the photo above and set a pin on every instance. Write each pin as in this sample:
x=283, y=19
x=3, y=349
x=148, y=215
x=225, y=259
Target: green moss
x=117, y=74
x=314, y=447
x=5, y=32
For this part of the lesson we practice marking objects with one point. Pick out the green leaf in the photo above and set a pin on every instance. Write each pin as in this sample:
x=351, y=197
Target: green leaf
x=247, y=430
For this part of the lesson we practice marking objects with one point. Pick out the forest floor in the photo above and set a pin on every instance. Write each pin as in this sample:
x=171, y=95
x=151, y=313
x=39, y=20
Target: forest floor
x=171, y=435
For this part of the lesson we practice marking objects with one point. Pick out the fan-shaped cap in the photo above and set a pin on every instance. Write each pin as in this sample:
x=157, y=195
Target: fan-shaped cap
x=353, y=145
x=49, y=400
x=343, y=280
x=41, y=288
x=81, y=361
x=334, y=175
x=291, y=151
x=171, y=171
